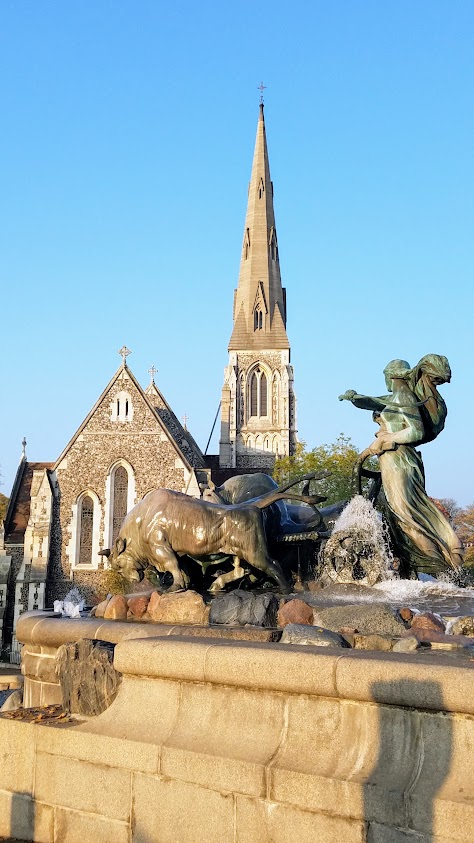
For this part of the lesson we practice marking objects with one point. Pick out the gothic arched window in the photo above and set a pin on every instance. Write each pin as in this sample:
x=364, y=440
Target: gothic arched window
x=86, y=518
x=258, y=393
x=263, y=395
x=120, y=499
x=254, y=395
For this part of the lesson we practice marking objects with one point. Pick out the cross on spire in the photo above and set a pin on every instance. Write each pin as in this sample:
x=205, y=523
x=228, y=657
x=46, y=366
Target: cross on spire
x=184, y=419
x=124, y=352
x=261, y=88
x=152, y=372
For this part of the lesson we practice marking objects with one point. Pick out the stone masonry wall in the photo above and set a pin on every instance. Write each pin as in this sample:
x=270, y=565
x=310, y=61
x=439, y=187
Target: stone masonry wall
x=141, y=442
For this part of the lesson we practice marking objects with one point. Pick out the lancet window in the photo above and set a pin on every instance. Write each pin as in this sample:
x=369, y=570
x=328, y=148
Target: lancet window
x=119, y=499
x=86, y=516
x=258, y=393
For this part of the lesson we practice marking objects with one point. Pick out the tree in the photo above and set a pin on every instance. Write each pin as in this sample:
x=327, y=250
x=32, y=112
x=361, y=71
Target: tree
x=339, y=458
x=3, y=507
x=464, y=526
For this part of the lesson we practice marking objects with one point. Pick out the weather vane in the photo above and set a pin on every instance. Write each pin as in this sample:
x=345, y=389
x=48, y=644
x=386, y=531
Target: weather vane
x=261, y=88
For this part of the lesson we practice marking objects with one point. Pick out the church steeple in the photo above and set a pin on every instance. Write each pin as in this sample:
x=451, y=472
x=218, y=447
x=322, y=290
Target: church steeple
x=258, y=412
x=259, y=302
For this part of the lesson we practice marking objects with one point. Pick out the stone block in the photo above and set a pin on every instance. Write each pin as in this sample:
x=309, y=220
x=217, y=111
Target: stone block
x=417, y=681
x=276, y=823
x=272, y=667
x=76, y=827
x=172, y=811
x=203, y=748
x=295, y=611
x=380, y=833
x=16, y=756
x=93, y=788
x=39, y=667
x=24, y=819
x=83, y=744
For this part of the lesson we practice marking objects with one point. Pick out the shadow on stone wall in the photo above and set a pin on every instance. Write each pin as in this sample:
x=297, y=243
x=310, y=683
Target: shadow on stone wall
x=414, y=758
x=22, y=817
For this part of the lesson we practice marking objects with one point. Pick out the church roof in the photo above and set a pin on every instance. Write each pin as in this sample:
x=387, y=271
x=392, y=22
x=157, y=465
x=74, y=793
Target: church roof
x=184, y=444
x=259, y=288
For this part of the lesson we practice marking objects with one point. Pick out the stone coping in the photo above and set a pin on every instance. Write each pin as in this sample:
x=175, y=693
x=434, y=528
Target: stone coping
x=146, y=651
x=49, y=629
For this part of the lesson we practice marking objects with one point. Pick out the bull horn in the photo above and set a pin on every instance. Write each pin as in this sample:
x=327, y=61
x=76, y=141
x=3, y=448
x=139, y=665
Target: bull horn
x=105, y=552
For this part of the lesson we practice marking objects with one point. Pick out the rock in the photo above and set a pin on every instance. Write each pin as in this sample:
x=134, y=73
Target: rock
x=463, y=626
x=406, y=614
x=138, y=605
x=13, y=700
x=88, y=679
x=316, y=636
x=378, y=619
x=179, y=607
x=244, y=607
x=440, y=641
x=314, y=585
x=153, y=603
x=427, y=620
x=295, y=611
x=116, y=609
x=373, y=642
x=99, y=610
x=407, y=645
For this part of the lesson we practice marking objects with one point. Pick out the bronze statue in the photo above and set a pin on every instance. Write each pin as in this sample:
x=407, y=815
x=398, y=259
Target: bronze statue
x=167, y=525
x=413, y=414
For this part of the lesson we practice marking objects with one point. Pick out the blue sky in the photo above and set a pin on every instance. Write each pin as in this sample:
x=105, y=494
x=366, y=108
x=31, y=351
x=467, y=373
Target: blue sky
x=126, y=146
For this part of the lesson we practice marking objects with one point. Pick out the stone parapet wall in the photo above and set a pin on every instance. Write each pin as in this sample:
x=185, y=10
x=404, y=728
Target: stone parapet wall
x=239, y=742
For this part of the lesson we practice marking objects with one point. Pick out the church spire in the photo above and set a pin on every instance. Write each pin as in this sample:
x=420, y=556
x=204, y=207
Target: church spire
x=259, y=303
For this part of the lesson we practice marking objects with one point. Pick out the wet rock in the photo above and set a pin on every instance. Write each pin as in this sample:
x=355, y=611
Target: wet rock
x=427, y=620
x=295, y=611
x=99, y=610
x=463, y=626
x=116, y=609
x=314, y=585
x=138, y=605
x=244, y=607
x=315, y=636
x=379, y=619
x=440, y=641
x=407, y=645
x=178, y=607
x=382, y=643
x=406, y=614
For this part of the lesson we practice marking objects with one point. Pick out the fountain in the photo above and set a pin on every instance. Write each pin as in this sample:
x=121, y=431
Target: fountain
x=209, y=728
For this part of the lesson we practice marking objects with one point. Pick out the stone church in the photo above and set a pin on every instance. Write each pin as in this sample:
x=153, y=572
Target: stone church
x=61, y=514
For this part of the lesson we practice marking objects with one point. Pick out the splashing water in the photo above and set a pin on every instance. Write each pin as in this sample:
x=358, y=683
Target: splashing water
x=358, y=549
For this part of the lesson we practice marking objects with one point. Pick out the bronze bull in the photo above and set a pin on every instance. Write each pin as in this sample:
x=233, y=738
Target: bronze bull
x=166, y=525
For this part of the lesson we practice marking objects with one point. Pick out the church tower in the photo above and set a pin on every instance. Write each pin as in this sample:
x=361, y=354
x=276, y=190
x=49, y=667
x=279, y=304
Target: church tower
x=258, y=417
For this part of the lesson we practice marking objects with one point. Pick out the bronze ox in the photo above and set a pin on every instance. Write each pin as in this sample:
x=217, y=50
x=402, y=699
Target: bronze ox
x=166, y=525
